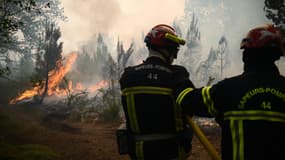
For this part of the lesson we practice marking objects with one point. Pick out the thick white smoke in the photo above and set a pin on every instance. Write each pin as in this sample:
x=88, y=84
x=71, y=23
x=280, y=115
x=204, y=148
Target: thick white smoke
x=128, y=19
x=229, y=18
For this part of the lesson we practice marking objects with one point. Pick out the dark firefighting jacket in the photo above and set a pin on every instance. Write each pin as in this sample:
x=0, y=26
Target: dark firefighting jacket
x=153, y=118
x=250, y=109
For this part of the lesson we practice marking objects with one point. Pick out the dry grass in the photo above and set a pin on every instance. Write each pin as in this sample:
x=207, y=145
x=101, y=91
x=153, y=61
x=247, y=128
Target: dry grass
x=26, y=133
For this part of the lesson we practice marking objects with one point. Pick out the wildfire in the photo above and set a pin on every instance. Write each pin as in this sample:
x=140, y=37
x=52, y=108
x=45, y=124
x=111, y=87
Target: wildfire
x=99, y=85
x=55, y=77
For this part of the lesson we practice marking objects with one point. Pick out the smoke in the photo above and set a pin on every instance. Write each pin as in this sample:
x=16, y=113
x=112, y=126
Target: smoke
x=126, y=19
x=85, y=18
x=229, y=18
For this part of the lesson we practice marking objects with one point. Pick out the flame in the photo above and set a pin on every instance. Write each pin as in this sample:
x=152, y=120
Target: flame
x=55, y=77
x=27, y=94
x=89, y=88
x=99, y=85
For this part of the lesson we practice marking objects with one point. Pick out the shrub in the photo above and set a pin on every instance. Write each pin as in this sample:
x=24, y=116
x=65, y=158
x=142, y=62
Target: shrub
x=111, y=114
x=26, y=152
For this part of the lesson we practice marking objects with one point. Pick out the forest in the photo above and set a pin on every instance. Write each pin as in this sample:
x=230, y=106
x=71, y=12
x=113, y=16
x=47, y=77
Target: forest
x=61, y=96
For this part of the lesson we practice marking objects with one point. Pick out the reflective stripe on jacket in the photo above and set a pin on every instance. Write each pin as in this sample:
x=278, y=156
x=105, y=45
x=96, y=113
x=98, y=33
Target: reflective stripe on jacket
x=250, y=109
x=150, y=108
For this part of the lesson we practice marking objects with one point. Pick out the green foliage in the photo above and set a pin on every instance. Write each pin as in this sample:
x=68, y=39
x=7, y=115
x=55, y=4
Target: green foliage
x=26, y=152
x=26, y=68
x=122, y=58
x=24, y=19
x=94, y=59
x=275, y=11
x=111, y=104
x=10, y=89
x=111, y=113
x=4, y=71
x=49, y=56
x=49, y=51
x=12, y=128
x=95, y=63
x=16, y=125
x=78, y=100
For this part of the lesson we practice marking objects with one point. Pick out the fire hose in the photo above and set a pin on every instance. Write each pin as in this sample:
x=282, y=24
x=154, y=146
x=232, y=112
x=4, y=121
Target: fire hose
x=203, y=139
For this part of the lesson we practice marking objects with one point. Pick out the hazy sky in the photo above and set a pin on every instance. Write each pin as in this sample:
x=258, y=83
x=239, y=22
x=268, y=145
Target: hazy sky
x=125, y=19
x=128, y=19
x=230, y=18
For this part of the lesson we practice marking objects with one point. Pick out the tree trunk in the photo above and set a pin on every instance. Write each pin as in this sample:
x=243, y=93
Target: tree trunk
x=46, y=86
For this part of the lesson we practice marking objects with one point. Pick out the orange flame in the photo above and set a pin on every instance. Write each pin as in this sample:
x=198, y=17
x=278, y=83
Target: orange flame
x=99, y=85
x=27, y=94
x=55, y=76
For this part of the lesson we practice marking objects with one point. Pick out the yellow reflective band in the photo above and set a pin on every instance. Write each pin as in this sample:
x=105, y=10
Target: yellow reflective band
x=236, y=122
x=132, y=91
x=129, y=108
x=208, y=100
x=139, y=150
x=234, y=141
x=174, y=38
x=178, y=111
x=182, y=95
x=178, y=117
x=255, y=115
x=147, y=89
x=241, y=138
x=136, y=124
x=237, y=119
x=182, y=155
x=132, y=113
x=237, y=139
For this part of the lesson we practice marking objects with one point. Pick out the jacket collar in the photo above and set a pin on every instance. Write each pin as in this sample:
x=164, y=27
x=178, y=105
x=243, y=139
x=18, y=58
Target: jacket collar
x=264, y=69
x=154, y=59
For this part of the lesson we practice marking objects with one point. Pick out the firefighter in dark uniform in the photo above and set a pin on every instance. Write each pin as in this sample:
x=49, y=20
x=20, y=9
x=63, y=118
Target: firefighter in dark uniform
x=250, y=107
x=155, y=123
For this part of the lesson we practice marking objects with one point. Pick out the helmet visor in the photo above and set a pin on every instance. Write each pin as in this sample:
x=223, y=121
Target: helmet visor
x=174, y=39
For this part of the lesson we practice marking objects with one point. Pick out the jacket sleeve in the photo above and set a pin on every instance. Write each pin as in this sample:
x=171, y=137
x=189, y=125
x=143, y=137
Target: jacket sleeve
x=196, y=102
x=123, y=78
x=181, y=79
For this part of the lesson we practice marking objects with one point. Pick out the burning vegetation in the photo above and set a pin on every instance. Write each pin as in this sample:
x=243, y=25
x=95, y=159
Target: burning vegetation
x=56, y=76
x=81, y=86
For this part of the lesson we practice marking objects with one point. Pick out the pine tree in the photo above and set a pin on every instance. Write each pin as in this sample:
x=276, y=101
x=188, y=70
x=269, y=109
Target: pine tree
x=211, y=70
x=49, y=57
x=191, y=55
x=275, y=11
x=24, y=17
x=123, y=56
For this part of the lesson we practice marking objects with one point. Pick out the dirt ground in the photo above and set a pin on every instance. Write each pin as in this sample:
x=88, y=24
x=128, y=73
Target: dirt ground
x=97, y=141
x=92, y=141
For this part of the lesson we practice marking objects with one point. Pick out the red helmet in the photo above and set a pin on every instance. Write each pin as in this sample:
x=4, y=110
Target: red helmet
x=163, y=36
x=262, y=37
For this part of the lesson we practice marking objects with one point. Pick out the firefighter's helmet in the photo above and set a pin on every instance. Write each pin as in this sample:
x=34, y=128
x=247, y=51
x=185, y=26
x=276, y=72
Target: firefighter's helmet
x=266, y=36
x=163, y=36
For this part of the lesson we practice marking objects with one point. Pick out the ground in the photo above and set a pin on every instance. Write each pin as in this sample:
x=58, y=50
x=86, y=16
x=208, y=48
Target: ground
x=86, y=141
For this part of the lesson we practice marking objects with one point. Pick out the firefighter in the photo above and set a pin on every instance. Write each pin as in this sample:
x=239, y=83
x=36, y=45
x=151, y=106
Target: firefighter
x=250, y=108
x=156, y=127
